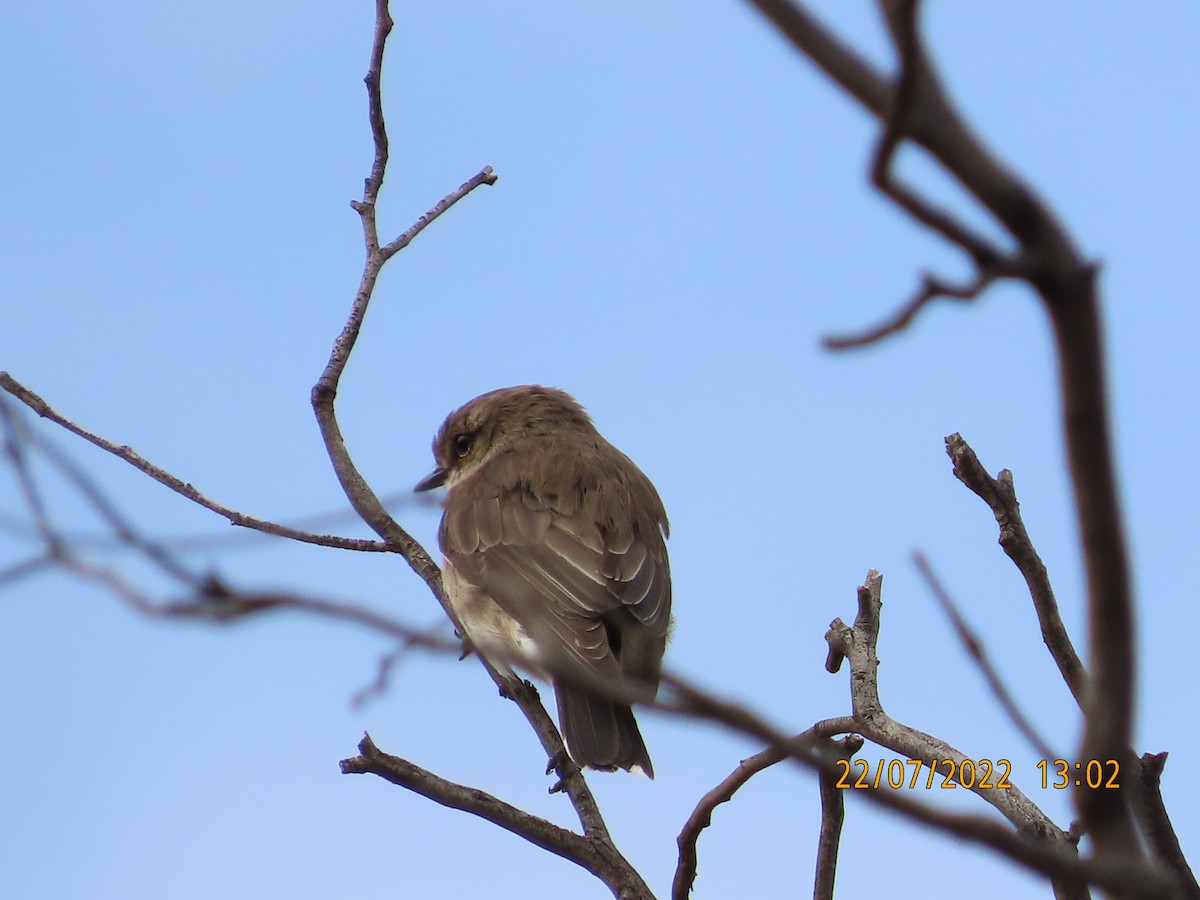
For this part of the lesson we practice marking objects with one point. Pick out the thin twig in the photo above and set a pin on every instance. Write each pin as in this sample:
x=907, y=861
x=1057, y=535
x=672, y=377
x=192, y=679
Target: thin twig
x=15, y=440
x=185, y=489
x=383, y=670
x=242, y=539
x=917, y=71
x=978, y=653
x=122, y=528
x=212, y=600
x=932, y=288
x=833, y=813
x=483, y=176
x=25, y=568
x=219, y=604
x=374, y=83
x=225, y=605
x=989, y=260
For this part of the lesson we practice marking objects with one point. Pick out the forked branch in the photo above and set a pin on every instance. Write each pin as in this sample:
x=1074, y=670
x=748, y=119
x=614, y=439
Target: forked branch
x=916, y=105
x=373, y=512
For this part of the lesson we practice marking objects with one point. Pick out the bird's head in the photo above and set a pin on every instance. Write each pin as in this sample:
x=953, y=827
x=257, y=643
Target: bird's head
x=494, y=422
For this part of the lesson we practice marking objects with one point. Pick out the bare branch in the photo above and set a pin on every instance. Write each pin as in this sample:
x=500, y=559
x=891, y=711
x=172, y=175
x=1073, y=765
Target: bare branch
x=978, y=653
x=379, y=135
x=210, y=599
x=1066, y=283
x=484, y=176
x=15, y=439
x=185, y=489
x=1036, y=842
x=1110, y=699
x=25, y=568
x=359, y=493
x=701, y=817
x=933, y=122
x=324, y=392
x=1055, y=857
x=833, y=812
x=1001, y=496
x=916, y=72
x=383, y=674
x=594, y=856
x=932, y=288
x=857, y=644
x=222, y=604
x=215, y=602
x=123, y=530
x=1159, y=831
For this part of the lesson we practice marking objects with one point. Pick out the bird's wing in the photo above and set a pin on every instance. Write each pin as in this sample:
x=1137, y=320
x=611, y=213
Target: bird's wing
x=588, y=582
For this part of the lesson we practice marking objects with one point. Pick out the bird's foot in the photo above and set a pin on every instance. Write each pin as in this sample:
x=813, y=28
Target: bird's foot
x=561, y=763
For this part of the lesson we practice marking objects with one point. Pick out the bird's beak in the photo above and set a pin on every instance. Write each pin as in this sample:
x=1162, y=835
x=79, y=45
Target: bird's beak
x=434, y=479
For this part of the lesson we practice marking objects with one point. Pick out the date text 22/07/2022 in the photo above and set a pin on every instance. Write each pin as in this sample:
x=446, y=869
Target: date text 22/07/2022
x=968, y=773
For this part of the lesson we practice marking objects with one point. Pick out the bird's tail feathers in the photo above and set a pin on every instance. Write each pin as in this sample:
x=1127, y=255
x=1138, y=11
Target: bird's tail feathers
x=599, y=733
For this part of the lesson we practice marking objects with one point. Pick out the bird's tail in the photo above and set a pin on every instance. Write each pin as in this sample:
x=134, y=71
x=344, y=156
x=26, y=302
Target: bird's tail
x=600, y=734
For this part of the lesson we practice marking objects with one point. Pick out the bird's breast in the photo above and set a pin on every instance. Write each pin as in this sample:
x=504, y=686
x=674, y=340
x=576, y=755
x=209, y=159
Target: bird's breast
x=491, y=631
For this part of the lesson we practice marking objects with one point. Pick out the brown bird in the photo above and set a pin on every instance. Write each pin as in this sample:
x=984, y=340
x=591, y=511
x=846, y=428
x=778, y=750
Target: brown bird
x=556, y=560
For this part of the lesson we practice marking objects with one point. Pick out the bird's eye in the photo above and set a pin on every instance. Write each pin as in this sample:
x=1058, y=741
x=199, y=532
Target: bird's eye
x=462, y=445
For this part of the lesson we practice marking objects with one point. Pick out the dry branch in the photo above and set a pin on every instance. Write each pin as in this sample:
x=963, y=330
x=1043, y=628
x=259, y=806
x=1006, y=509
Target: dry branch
x=596, y=857
x=1035, y=842
x=917, y=78
x=932, y=288
x=833, y=814
x=1156, y=824
x=1000, y=495
x=178, y=485
x=1148, y=807
x=701, y=816
x=916, y=105
x=978, y=653
x=217, y=602
x=857, y=645
x=617, y=874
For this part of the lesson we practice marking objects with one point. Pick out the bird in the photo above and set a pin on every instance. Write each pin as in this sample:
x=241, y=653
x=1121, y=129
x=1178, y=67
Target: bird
x=555, y=560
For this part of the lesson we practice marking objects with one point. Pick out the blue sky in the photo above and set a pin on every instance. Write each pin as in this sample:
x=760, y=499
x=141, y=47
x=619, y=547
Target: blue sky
x=681, y=213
